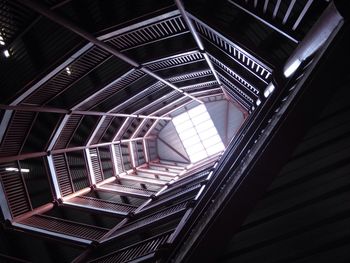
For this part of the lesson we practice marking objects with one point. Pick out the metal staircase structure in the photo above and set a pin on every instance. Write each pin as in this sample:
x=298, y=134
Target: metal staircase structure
x=79, y=163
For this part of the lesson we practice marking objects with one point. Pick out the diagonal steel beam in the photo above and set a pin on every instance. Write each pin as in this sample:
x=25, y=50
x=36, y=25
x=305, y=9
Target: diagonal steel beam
x=76, y=112
x=41, y=9
x=198, y=40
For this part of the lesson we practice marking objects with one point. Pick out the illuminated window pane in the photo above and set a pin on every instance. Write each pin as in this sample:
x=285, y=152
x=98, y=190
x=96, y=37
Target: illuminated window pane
x=189, y=133
x=198, y=133
x=215, y=149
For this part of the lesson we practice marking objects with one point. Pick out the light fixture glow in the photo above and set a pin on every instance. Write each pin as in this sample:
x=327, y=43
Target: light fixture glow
x=269, y=89
x=6, y=53
x=2, y=41
x=290, y=68
x=258, y=102
x=198, y=133
x=68, y=71
x=14, y=169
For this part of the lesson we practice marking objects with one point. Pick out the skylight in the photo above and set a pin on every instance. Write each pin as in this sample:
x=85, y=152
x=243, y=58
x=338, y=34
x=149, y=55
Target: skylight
x=198, y=133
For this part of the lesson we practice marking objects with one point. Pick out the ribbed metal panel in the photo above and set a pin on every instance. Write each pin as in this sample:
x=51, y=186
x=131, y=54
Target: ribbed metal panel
x=96, y=164
x=112, y=129
x=106, y=162
x=139, y=250
x=245, y=83
x=39, y=135
x=37, y=181
x=65, y=227
x=152, y=149
x=62, y=173
x=68, y=131
x=150, y=33
x=14, y=189
x=119, y=158
x=128, y=190
x=175, y=61
x=151, y=219
x=102, y=129
x=123, y=82
x=126, y=156
x=16, y=133
x=237, y=53
x=62, y=80
x=95, y=203
x=78, y=169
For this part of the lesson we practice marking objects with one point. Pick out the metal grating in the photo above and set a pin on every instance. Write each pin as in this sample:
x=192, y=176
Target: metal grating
x=151, y=219
x=16, y=133
x=96, y=165
x=62, y=173
x=95, y=203
x=141, y=249
x=234, y=75
x=106, y=162
x=65, y=227
x=179, y=192
x=281, y=14
x=143, y=93
x=240, y=96
x=101, y=128
x=77, y=169
x=118, y=158
x=124, y=189
x=68, y=131
x=15, y=190
x=56, y=85
x=190, y=76
x=178, y=60
x=120, y=83
x=252, y=64
x=148, y=34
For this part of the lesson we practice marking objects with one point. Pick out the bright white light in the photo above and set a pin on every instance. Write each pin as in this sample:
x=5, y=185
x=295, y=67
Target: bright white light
x=198, y=133
x=269, y=89
x=14, y=169
x=291, y=68
x=6, y=53
x=68, y=71
x=2, y=41
x=93, y=155
x=258, y=102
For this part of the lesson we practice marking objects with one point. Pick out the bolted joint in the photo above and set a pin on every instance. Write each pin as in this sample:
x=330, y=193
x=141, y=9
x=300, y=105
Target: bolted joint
x=153, y=197
x=130, y=215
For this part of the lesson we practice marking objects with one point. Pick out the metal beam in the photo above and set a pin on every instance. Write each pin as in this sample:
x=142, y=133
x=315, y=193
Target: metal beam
x=198, y=40
x=76, y=112
x=86, y=35
x=264, y=21
x=65, y=150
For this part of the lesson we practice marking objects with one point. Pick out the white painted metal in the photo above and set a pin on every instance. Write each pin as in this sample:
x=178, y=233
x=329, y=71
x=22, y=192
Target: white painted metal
x=91, y=170
x=52, y=172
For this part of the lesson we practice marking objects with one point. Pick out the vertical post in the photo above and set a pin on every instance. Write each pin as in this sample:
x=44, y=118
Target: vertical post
x=132, y=156
x=91, y=170
x=145, y=150
x=52, y=173
x=114, y=161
